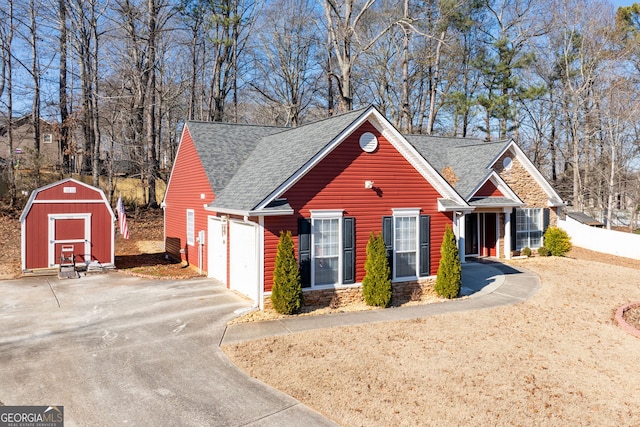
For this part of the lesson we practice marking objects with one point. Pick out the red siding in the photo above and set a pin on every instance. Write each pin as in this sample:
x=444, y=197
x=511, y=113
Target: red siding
x=489, y=189
x=337, y=182
x=37, y=227
x=188, y=182
x=82, y=192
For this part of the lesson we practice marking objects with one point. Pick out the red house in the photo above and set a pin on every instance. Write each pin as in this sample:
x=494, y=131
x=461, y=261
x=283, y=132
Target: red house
x=68, y=214
x=233, y=188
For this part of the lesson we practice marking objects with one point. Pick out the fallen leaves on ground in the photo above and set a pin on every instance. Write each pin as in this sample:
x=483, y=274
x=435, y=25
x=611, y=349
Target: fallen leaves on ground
x=142, y=254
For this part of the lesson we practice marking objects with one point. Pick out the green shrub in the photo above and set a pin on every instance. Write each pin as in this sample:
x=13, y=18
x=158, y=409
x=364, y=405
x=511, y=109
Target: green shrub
x=376, y=284
x=557, y=241
x=449, y=278
x=286, y=294
x=543, y=251
x=525, y=252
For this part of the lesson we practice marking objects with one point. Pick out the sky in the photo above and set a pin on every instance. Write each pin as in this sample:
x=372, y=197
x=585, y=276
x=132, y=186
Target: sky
x=618, y=3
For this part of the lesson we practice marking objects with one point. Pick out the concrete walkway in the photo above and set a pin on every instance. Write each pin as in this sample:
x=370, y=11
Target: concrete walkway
x=486, y=284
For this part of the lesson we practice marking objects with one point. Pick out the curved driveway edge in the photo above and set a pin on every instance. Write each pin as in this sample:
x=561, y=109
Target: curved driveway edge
x=119, y=350
x=486, y=284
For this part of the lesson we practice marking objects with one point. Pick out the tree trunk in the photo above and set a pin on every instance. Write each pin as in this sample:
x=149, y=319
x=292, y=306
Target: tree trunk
x=152, y=160
x=62, y=89
x=406, y=109
x=7, y=46
x=434, y=85
x=35, y=107
x=95, y=122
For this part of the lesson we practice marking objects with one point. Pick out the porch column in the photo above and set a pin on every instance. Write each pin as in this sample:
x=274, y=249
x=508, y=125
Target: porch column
x=507, y=235
x=461, y=234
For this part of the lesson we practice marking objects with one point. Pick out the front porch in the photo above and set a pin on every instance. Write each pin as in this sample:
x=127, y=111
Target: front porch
x=484, y=233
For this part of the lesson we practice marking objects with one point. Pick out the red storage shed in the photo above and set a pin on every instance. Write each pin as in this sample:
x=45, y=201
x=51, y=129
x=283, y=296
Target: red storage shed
x=67, y=214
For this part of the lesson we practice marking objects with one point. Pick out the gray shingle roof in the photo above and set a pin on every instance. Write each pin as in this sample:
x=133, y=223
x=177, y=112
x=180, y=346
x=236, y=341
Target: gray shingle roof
x=492, y=202
x=223, y=147
x=246, y=164
x=276, y=158
x=470, y=158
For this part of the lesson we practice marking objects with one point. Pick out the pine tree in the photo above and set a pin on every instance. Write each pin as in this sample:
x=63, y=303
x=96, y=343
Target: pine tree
x=286, y=294
x=449, y=277
x=376, y=284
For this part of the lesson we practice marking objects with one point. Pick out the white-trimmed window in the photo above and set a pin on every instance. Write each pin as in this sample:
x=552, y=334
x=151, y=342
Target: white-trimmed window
x=326, y=249
x=326, y=235
x=47, y=138
x=529, y=228
x=191, y=234
x=407, y=238
x=406, y=244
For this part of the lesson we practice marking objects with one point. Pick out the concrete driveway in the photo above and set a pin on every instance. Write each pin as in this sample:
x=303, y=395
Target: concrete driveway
x=119, y=350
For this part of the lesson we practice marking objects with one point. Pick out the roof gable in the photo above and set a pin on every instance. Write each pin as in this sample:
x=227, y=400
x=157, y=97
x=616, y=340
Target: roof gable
x=488, y=189
x=275, y=159
x=518, y=154
x=281, y=159
x=470, y=159
x=37, y=191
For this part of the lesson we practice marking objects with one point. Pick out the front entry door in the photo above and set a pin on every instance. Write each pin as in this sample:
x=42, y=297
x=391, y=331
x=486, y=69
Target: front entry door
x=471, y=236
x=480, y=234
x=489, y=234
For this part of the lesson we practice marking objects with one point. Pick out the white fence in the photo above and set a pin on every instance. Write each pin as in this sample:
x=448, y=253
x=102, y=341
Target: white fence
x=602, y=240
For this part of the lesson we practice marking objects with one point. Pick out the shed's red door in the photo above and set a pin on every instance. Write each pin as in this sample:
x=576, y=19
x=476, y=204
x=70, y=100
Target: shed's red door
x=70, y=231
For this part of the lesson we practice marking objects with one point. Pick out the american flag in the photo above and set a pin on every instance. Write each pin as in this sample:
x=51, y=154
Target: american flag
x=122, y=219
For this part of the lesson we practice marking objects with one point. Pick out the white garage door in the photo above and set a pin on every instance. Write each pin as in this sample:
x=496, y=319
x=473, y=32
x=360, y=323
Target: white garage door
x=217, y=250
x=243, y=259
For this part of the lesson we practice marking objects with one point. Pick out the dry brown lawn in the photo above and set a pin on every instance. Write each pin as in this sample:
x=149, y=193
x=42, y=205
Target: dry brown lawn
x=556, y=359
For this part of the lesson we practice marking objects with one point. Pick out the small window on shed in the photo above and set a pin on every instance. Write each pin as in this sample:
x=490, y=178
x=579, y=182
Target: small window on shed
x=47, y=138
x=191, y=227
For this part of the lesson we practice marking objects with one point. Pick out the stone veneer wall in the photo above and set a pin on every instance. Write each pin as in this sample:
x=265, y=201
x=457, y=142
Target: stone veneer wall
x=402, y=293
x=525, y=186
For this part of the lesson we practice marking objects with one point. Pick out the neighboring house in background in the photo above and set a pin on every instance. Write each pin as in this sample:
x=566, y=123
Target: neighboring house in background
x=585, y=219
x=23, y=142
x=233, y=188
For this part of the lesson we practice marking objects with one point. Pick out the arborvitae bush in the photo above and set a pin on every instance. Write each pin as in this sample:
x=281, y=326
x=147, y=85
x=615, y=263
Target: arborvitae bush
x=525, y=252
x=543, y=251
x=557, y=241
x=286, y=294
x=376, y=284
x=449, y=279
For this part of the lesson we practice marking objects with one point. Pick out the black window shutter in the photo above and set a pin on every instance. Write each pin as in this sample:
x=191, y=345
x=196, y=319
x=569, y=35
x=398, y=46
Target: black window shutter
x=545, y=219
x=514, y=218
x=304, y=251
x=348, y=250
x=425, y=233
x=387, y=236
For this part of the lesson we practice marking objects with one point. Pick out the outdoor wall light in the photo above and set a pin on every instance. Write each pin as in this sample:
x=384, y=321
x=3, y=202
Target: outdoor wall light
x=368, y=185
